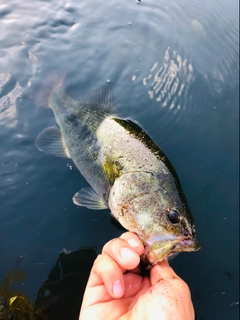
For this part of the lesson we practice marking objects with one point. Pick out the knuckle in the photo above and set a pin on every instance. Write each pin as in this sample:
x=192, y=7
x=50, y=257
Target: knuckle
x=113, y=244
x=97, y=261
x=128, y=234
x=102, y=263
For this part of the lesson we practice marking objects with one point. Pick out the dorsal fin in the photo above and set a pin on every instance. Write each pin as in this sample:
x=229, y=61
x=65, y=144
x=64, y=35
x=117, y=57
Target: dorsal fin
x=101, y=95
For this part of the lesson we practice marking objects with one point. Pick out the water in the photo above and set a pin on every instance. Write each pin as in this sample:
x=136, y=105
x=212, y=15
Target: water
x=173, y=67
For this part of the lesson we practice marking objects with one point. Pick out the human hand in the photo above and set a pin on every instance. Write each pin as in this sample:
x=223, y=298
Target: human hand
x=117, y=290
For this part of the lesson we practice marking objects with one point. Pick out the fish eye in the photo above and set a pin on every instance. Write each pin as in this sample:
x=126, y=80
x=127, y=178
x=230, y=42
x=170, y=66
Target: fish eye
x=173, y=216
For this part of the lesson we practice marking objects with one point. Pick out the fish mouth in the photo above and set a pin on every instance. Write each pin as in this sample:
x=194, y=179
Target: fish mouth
x=186, y=245
x=162, y=247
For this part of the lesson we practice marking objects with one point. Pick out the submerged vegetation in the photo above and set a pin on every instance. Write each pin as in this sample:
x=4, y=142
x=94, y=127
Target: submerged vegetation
x=14, y=304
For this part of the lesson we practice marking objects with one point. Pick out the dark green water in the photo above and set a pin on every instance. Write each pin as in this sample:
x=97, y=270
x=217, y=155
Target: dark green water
x=174, y=67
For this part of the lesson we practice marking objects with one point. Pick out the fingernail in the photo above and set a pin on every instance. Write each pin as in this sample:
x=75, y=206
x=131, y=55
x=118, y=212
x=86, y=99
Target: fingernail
x=117, y=289
x=127, y=253
x=134, y=243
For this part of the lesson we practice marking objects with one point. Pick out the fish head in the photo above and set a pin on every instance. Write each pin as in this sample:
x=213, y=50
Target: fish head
x=156, y=211
x=172, y=233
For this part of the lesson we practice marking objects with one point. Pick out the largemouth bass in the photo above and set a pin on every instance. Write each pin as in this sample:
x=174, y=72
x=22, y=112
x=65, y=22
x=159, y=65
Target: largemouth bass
x=126, y=170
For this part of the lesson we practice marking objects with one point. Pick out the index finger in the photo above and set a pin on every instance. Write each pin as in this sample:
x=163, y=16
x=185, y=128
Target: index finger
x=134, y=241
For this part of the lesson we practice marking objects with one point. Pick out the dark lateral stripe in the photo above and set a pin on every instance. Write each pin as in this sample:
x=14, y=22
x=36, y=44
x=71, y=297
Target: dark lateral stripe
x=142, y=136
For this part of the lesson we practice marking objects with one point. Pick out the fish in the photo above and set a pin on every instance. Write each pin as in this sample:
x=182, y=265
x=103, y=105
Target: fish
x=126, y=170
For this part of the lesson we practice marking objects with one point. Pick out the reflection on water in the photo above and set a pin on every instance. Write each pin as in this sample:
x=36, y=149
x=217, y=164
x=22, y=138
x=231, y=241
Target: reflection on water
x=8, y=120
x=199, y=29
x=219, y=53
x=8, y=112
x=224, y=75
x=170, y=80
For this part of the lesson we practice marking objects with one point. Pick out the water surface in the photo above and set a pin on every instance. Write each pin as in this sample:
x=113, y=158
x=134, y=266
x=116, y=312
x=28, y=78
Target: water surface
x=173, y=67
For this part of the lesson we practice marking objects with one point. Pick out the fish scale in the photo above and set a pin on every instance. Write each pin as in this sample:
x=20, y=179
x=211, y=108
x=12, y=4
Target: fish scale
x=126, y=170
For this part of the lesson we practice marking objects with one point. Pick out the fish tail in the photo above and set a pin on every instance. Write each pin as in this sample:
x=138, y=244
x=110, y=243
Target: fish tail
x=41, y=96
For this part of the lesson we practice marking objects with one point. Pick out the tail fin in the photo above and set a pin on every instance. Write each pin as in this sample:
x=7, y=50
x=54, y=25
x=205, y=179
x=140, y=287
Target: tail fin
x=41, y=96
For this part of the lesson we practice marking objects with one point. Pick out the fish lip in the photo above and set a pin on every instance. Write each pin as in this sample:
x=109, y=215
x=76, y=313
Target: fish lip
x=187, y=245
x=161, y=247
x=179, y=242
x=162, y=238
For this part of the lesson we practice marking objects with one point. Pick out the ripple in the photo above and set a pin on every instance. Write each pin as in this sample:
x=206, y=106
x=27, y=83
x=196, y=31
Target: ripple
x=170, y=80
x=218, y=56
x=8, y=111
x=4, y=78
x=224, y=75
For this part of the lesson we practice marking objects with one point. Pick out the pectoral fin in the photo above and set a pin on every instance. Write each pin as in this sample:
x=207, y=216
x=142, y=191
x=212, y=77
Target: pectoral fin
x=50, y=141
x=110, y=169
x=88, y=198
